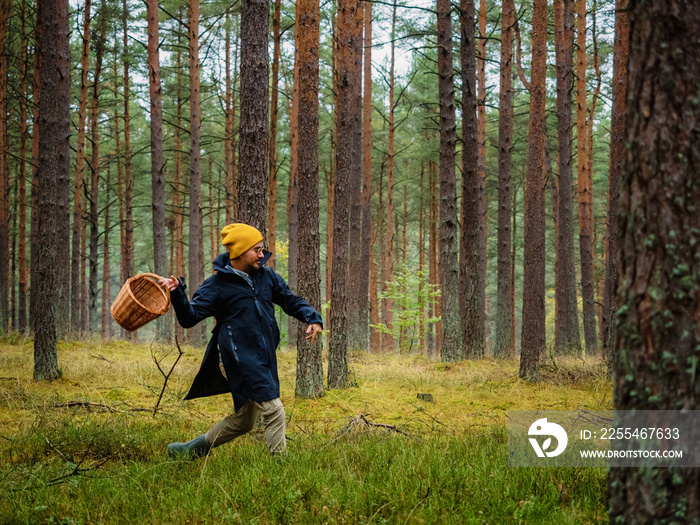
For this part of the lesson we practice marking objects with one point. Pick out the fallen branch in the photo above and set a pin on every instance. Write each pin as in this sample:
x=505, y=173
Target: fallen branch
x=361, y=422
x=87, y=405
x=166, y=376
x=103, y=358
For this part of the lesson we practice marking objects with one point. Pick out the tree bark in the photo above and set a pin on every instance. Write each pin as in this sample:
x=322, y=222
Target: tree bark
x=347, y=122
x=254, y=120
x=195, y=235
x=292, y=215
x=658, y=296
x=451, y=349
x=106, y=271
x=617, y=145
x=128, y=248
x=566, y=333
x=95, y=178
x=309, y=362
x=272, y=164
x=533, y=320
x=505, y=146
x=160, y=253
x=585, y=187
x=5, y=7
x=366, y=241
x=54, y=166
x=471, y=257
x=22, y=189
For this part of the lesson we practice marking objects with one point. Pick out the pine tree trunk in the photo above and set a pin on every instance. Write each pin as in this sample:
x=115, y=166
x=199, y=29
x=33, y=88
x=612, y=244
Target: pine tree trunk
x=272, y=164
x=505, y=146
x=532, y=339
x=433, y=337
x=228, y=130
x=585, y=187
x=22, y=189
x=195, y=235
x=53, y=171
x=160, y=253
x=366, y=242
x=471, y=257
x=128, y=249
x=76, y=254
x=4, y=180
x=254, y=120
x=451, y=349
x=481, y=147
x=106, y=272
x=347, y=122
x=388, y=262
x=34, y=220
x=95, y=178
x=566, y=335
x=658, y=297
x=179, y=195
x=357, y=294
x=293, y=244
x=309, y=363
x=617, y=145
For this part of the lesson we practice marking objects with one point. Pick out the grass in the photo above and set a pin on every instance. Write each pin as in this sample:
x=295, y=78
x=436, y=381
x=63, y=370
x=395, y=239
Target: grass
x=87, y=449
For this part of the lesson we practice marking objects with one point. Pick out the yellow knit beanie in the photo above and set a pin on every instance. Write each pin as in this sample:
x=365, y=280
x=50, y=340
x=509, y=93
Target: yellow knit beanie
x=239, y=238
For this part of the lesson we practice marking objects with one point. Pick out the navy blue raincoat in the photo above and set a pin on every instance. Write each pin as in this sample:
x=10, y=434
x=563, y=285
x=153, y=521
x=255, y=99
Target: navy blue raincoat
x=246, y=335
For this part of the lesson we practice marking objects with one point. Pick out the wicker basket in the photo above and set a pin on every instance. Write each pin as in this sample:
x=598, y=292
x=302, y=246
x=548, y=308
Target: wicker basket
x=140, y=301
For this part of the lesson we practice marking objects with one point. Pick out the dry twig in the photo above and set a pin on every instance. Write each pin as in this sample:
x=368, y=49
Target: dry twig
x=165, y=376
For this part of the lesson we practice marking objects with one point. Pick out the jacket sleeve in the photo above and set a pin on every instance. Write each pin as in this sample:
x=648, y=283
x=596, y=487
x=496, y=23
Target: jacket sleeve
x=202, y=305
x=293, y=304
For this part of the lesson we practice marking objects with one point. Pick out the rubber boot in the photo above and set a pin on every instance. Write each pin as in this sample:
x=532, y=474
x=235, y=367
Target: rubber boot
x=196, y=448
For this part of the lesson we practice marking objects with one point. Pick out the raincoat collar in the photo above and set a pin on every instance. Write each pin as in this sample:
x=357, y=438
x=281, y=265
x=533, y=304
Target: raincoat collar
x=221, y=263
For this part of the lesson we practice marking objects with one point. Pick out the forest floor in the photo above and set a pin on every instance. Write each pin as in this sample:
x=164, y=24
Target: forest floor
x=88, y=449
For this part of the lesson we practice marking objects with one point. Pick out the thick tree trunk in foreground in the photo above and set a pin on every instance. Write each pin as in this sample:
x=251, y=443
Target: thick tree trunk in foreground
x=54, y=166
x=504, y=342
x=658, y=298
x=309, y=362
x=472, y=259
x=348, y=50
x=566, y=331
x=449, y=224
x=617, y=148
x=254, y=120
x=533, y=328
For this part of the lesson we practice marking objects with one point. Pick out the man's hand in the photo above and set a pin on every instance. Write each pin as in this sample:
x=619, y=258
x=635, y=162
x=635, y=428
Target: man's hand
x=171, y=283
x=312, y=331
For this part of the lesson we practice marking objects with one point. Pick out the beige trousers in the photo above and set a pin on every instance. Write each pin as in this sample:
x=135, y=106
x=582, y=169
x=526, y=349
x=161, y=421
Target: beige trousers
x=243, y=421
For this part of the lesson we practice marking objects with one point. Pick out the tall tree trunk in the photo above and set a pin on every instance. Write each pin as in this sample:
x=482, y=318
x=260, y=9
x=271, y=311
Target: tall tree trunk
x=160, y=254
x=272, y=164
x=95, y=176
x=585, y=186
x=54, y=166
x=106, y=271
x=357, y=294
x=366, y=241
x=195, y=254
x=481, y=147
x=128, y=248
x=34, y=220
x=617, y=145
x=421, y=263
x=566, y=334
x=433, y=338
x=228, y=129
x=512, y=274
x=22, y=189
x=254, y=120
x=471, y=257
x=309, y=363
x=451, y=349
x=293, y=244
x=505, y=147
x=532, y=339
x=658, y=297
x=347, y=123
x=76, y=254
x=5, y=7
x=388, y=262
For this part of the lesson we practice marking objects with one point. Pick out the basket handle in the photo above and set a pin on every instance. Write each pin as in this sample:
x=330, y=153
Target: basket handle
x=163, y=289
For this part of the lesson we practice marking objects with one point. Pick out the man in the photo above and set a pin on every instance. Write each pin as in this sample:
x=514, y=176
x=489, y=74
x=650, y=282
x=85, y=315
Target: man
x=240, y=357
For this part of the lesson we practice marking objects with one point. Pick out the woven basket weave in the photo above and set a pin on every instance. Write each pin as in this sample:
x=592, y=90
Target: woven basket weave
x=140, y=301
